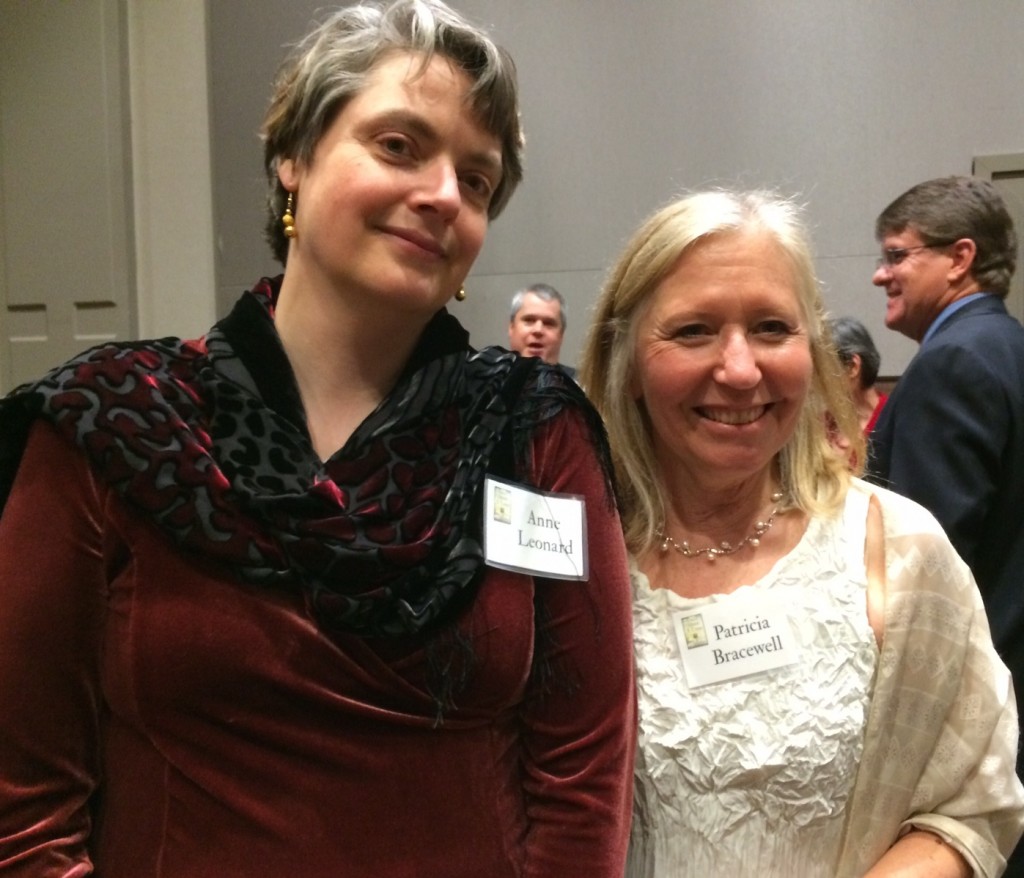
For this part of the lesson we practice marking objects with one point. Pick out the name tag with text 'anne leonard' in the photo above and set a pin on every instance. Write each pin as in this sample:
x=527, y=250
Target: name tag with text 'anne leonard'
x=535, y=532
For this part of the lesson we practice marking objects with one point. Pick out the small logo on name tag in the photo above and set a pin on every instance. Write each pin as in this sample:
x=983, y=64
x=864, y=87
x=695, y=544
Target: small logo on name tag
x=536, y=532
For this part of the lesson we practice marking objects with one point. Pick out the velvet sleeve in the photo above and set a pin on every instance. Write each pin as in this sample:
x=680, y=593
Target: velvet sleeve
x=579, y=735
x=51, y=575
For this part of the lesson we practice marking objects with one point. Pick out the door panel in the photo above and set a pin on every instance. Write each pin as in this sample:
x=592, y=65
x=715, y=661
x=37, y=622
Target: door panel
x=65, y=221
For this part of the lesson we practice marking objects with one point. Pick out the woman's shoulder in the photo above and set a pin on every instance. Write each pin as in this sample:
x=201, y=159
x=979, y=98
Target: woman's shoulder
x=919, y=557
x=542, y=397
x=46, y=465
x=901, y=514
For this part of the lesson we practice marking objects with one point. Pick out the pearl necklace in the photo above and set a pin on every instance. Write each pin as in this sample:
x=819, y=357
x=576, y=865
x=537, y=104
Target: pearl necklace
x=725, y=547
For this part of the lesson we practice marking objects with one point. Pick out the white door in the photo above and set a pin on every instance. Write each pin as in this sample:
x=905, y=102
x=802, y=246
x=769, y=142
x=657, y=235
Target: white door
x=1007, y=173
x=66, y=248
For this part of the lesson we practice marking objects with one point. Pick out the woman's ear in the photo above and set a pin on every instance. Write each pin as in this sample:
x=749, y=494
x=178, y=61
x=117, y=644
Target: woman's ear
x=288, y=174
x=854, y=366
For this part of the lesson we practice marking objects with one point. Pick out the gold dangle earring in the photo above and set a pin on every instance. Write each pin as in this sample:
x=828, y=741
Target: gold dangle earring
x=288, y=221
x=460, y=296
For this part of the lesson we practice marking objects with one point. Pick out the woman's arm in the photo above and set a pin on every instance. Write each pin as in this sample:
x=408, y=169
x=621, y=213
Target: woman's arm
x=941, y=739
x=579, y=736
x=920, y=855
x=51, y=576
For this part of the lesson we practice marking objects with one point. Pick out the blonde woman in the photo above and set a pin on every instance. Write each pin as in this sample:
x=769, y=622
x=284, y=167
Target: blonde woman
x=818, y=691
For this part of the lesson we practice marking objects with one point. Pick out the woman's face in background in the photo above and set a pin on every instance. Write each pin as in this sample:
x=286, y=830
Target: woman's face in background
x=722, y=360
x=393, y=205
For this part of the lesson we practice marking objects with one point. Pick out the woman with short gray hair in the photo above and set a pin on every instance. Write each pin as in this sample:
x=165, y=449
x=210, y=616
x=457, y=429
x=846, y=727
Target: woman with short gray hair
x=326, y=593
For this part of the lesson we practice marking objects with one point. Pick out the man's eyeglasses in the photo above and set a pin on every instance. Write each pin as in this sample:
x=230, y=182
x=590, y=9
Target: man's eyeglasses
x=895, y=255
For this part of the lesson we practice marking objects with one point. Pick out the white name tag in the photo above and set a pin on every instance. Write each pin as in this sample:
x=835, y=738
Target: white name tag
x=535, y=532
x=717, y=644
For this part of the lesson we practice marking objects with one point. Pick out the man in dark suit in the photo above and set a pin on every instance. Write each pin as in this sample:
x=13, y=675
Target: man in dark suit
x=951, y=436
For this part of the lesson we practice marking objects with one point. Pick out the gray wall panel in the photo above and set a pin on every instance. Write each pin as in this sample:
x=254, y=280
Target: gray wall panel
x=844, y=104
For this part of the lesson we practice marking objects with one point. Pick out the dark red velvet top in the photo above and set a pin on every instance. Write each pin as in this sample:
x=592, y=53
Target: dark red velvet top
x=160, y=719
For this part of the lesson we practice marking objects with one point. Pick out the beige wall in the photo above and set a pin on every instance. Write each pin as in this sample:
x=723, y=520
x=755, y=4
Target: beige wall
x=840, y=102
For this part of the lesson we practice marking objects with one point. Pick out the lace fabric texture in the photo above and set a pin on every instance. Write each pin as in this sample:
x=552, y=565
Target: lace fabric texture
x=752, y=776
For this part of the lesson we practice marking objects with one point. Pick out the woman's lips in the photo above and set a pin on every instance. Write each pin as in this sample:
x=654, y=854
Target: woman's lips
x=424, y=242
x=732, y=416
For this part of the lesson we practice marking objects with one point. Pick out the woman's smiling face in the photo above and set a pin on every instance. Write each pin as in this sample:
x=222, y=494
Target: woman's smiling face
x=722, y=360
x=393, y=206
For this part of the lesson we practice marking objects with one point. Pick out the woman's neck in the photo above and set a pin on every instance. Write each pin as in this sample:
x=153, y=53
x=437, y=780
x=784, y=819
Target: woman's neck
x=345, y=360
x=717, y=509
x=706, y=515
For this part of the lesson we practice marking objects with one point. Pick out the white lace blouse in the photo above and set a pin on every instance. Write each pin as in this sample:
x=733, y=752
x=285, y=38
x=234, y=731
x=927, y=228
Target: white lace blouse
x=752, y=775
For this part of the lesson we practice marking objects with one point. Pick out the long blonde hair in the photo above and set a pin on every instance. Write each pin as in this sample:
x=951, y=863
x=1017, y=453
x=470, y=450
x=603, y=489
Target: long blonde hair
x=814, y=476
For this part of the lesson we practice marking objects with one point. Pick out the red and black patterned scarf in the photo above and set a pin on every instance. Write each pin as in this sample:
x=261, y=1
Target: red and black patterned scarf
x=208, y=439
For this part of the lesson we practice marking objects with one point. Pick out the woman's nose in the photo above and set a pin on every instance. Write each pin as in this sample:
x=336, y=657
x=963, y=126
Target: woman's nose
x=439, y=189
x=738, y=367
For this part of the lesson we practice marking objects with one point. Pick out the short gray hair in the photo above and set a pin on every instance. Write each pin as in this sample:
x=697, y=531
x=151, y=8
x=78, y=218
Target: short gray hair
x=547, y=293
x=850, y=337
x=330, y=66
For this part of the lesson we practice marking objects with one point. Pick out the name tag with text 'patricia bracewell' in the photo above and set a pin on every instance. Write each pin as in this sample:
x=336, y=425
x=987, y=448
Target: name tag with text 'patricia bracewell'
x=717, y=644
x=535, y=532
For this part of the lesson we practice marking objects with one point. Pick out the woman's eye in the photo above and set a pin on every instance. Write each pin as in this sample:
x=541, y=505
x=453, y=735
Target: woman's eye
x=396, y=145
x=479, y=185
x=691, y=330
x=774, y=327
